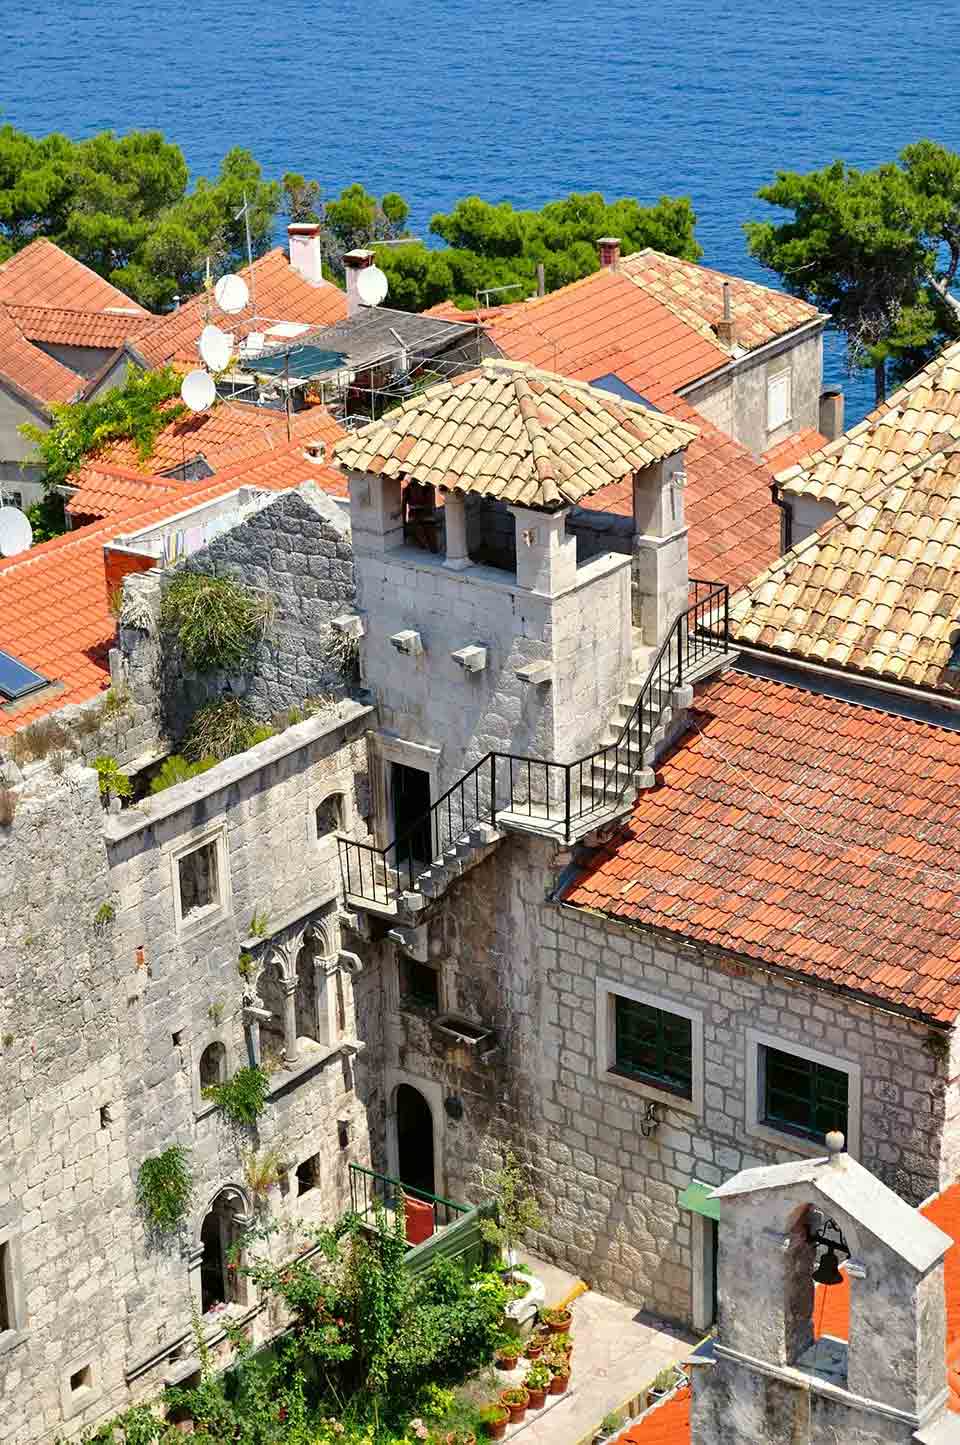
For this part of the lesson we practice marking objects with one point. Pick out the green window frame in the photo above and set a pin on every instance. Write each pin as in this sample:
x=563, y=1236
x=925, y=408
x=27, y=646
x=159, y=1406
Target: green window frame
x=653, y=1045
x=801, y=1096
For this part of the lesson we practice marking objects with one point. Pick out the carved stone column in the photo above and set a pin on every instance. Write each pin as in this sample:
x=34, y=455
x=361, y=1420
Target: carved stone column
x=290, y=1020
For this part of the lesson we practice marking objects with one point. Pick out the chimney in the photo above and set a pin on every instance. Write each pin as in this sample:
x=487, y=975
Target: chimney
x=831, y=413
x=609, y=251
x=726, y=333
x=354, y=262
x=305, y=253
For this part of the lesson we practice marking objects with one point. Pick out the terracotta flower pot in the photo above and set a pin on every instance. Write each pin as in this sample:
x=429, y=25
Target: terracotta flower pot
x=517, y=1412
x=507, y=1362
x=534, y=1349
x=558, y=1384
x=537, y=1397
x=561, y=1327
x=497, y=1428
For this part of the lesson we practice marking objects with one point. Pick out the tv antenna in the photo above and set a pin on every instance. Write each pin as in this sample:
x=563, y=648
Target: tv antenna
x=372, y=286
x=198, y=390
x=16, y=533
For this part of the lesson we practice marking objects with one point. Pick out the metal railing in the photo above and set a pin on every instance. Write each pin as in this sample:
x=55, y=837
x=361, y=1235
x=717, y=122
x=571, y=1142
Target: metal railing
x=367, y=1186
x=561, y=796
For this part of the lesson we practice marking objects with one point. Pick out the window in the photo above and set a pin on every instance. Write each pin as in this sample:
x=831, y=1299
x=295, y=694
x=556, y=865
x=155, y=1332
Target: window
x=82, y=1379
x=801, y=1095
x=779, y=401
x=419, y=985
x=308, y=1174
x=213, y=1066
x=652, y=1044
x=343, y=1133
x=106, y=1118
x=198, y=877
x=6, y=1290
x=329, y=815
x=79, y=1383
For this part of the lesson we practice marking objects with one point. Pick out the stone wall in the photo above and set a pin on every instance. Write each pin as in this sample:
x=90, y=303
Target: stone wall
x=736, y=402
x=103, y=1018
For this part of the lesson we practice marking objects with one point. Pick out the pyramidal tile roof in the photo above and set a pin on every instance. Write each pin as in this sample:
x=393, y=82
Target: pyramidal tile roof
x=918, y=419
x=521, y=435
x=695, y=293
x=876, y=589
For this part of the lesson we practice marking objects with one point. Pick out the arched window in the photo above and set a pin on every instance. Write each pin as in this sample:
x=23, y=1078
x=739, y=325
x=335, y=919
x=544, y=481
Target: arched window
x=213, y=1065
x=329, y=816
x=221, y=1283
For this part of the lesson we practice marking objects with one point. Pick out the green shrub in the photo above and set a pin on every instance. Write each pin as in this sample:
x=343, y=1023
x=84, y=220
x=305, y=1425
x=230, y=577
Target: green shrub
x=217, y=623
x=112, y=780
x=165, y=1188
x=222, y=729
x=242, y=1098
x=176, y=769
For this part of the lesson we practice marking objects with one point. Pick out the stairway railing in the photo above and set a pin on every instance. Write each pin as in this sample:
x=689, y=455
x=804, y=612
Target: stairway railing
x=560, y=795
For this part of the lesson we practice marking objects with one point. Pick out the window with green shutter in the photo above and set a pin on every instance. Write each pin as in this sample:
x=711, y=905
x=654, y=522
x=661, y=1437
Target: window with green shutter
x=653, y=1045
x=801, y=1096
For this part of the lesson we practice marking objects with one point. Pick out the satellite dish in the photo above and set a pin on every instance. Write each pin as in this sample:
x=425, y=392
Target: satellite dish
x=198, y=390
x=231, y=294
x=216, y=348
x=372, y=285
x=16, y=534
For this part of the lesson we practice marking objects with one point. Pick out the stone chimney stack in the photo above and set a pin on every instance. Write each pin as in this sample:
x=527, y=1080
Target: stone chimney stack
x=305, y=253
x=831, y=413
x=725, y=327
x=608, y=248
x=354, y=262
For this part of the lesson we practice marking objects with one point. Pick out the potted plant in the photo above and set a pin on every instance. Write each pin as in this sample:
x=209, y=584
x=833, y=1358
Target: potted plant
x=559, y=1367
x=537, y=1382
x=534, y=1347
x=557, y=1320
x=495, y=1419
x=561, y=1343
x=662, y=1384
x=517, y=1211
x=609, y=1425
x=516, y=1399
x=508, y=1353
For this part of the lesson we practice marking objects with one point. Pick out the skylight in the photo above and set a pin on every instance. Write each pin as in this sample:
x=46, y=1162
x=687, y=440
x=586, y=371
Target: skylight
x=16, y=679
x=611, y=382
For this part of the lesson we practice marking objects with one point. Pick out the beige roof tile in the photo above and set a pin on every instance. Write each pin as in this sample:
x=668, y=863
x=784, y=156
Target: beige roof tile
x=877, y=588
x=513, y=432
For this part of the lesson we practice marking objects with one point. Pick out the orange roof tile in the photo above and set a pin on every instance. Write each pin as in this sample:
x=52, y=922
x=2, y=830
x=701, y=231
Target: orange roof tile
x=695, y=293
x=281, y=294
x=44, y=275
x=102, y=491
x=666, y=1424
x=805, y=832
x=599, y=318
x=801, y=444
x=54, y=608
x=71, y=327
x=228, y=432
x=31, y=371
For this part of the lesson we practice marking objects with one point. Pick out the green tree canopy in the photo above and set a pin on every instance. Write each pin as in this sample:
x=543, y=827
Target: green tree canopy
x=865, y=246
x=122, y=205
x=490, y=246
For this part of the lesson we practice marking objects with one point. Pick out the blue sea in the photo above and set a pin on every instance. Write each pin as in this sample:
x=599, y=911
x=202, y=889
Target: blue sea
x=518, y=101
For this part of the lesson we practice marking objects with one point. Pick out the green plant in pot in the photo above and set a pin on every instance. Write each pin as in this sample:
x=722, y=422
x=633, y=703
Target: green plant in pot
x=534, y=1347
x=495, y=1419
x=537, y=1383
x=508, y=1352
x=516, y=1399
x=558, y=1320
x=663, y=1383
x=559, y=1366
x=517, y=1209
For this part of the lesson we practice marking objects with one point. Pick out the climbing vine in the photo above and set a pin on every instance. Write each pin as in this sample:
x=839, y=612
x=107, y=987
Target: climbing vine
x=165, y=1188
x=242, y=1098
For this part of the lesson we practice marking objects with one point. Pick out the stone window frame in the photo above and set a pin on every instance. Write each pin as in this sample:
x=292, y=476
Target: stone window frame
x=202, y=1106
x=214, y=912
x=607, y=990
x=445, y=989
x=385, y=750
x=330, y=788
x=74, y=1402
x=11, y=1264
x=782, y=1138
x=774, y=379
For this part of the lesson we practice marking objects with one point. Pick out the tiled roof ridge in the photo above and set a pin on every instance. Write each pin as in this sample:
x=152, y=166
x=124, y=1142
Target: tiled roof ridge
x=888, y=408
x=543, y=462
x=607, y=399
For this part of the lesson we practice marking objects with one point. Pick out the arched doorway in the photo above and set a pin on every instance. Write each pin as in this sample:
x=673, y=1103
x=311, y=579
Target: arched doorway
x=415, y=1162
x=220, y=1284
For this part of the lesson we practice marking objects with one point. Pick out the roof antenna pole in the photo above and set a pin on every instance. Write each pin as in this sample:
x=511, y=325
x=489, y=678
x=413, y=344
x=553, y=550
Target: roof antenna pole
x=245, y=213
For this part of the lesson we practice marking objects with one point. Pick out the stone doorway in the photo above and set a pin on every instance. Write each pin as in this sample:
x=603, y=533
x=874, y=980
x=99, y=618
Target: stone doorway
x=410, y=789
x=415, y=1161
x=219, y=1284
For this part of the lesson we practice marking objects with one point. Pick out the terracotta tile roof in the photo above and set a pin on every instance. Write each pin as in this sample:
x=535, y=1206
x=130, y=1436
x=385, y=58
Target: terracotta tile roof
x=54, y=607
x=603, y=319
x=920, y=418
x=876, y=589
x=734, y=524
x=801, y=444
x=58, y=325
x=450, y=311
x=104, y=490
x=695, y=293
x=228, y=432
x=30, y=370
x=44, y=275
x=281, y=295
x=515, y=433
x=805, y=832
x=668, y=1424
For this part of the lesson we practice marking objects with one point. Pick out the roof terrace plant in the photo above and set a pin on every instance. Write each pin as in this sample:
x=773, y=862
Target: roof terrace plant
x=218, y=623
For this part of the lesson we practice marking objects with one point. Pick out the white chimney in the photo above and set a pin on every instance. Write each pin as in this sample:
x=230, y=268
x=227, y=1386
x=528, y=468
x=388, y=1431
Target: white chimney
x=305, y=252
x=353, y=263
x=609, y=249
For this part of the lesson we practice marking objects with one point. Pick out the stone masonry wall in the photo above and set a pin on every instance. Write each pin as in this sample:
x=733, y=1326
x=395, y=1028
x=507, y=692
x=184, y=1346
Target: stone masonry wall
x=114, y=1016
